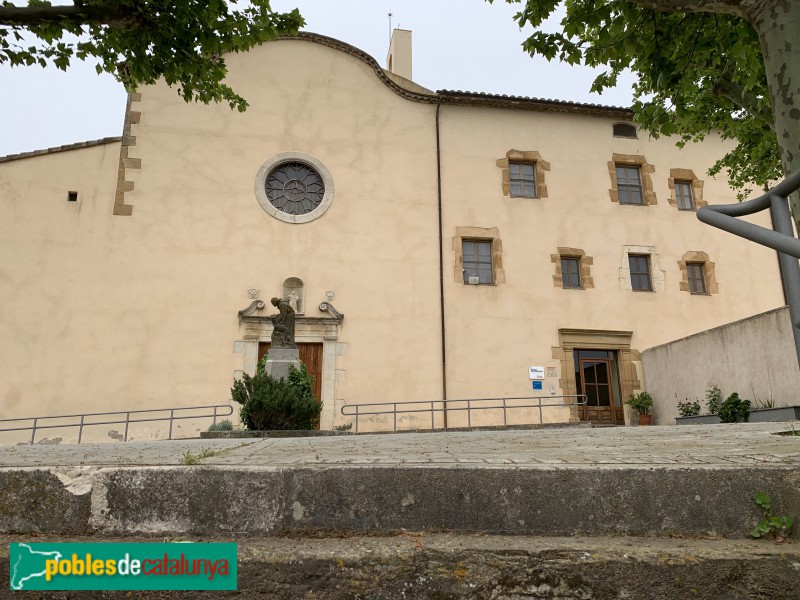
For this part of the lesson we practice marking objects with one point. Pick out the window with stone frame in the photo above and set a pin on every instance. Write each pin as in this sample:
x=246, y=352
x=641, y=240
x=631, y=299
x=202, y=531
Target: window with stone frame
x=477, y=261
x=523, y=174
x=685, y=190
x=477, y=249
x=698, y=274
x=570, y=272
x=683, y=195
x=697, y=279
x=629, y=185
x=640, y=272
x=522, y=179
x=631, y=180
x=573, y=269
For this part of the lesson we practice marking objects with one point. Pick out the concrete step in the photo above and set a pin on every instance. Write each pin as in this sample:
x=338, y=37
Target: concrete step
x=239, y=500
x=451, y=567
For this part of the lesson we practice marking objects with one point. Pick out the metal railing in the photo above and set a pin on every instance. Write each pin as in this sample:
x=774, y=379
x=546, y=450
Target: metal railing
x=468, y=405
x=780, y=238
x=82, y=422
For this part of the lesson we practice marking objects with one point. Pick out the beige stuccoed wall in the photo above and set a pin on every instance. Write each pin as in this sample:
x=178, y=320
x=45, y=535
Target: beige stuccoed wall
x=104, y=312
x=754, y=357
x=495, y=332
x=153, y=308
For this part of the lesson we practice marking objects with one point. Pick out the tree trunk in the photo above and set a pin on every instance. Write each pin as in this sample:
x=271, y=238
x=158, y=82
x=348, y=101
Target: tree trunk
x=777, y=23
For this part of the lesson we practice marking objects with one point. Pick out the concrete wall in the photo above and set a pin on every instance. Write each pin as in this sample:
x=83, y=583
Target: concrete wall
x=754, y=357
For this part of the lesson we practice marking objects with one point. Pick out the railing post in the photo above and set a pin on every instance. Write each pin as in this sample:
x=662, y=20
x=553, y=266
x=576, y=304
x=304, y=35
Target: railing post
x=33, y=432
x=505, y=421
x=357, y=417
x=127, y=421
x=541, y=415
x=214, y=421
x=80, y=429
x=469, y=414
x=394, y=412
x=432, y=426
x=171, y=415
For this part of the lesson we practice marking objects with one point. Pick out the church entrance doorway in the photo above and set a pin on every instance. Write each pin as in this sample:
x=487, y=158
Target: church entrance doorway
x=597, y=376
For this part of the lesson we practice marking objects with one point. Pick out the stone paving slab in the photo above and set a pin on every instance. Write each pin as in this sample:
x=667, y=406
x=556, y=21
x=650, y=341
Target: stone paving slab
x=739, y=445
x=438, y=566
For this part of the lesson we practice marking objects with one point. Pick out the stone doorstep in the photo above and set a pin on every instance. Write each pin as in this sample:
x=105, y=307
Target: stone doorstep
x=427, y=566
x=552, y=501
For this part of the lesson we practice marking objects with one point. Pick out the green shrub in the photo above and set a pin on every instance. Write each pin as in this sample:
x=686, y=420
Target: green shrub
x=689, y=409
x=269, y=403
x=641, y=402
x=734, y=409
x=713, y=399
x=225, y=425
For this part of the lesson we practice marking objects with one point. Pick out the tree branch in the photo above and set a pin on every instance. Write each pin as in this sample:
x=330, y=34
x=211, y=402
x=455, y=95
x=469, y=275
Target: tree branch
x=744, y=100
x=727, y=7
x=31, y=16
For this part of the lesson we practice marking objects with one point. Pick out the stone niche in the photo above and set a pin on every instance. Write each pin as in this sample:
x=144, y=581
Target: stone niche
x=294, y=292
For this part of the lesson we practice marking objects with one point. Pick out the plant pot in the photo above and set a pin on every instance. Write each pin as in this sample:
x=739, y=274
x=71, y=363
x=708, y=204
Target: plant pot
x=645, y=419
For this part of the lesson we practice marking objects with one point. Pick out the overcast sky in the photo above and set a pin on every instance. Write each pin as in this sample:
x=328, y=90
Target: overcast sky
x=457, y=45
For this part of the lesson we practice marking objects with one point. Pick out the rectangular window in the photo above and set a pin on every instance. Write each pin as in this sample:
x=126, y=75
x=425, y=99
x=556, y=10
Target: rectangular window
x=571, y=272
x=640, y=272
x=522, y=180
x=683, y=194
x=629, y=185
x=697, y=279
x=477, y=260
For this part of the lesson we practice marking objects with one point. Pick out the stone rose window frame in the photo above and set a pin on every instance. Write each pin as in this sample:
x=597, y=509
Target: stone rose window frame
x=490, y=234
x=586, y=262
x=645, y=174
x=275, y=162
x=686, y=176
x=709, y=273
x=531, y=157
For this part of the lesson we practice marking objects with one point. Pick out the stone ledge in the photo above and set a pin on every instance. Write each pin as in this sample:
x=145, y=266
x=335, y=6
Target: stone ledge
x=424, y=565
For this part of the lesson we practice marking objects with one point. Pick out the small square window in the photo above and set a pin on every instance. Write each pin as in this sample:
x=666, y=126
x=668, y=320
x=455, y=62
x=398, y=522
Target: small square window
x=629, y=185
x=571, y=272
x=477, y=261
x=697, y=279
x=640, y=272
x=522, y=180
x=683, y=194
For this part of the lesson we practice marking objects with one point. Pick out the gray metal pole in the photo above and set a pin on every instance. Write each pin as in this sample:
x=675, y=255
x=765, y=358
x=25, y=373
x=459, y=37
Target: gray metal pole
x=782, y=221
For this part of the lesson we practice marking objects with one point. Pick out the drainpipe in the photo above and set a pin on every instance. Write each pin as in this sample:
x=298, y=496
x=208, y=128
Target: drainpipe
x=441, y=261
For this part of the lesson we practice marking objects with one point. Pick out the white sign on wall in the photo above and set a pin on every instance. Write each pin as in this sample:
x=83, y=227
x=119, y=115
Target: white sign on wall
x=536, y=372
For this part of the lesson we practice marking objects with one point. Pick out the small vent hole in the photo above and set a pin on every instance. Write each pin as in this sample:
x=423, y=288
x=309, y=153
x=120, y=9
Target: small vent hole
x=72, y=196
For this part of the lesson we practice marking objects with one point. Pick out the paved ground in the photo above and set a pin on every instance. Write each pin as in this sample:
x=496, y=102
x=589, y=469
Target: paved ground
x=739, y=445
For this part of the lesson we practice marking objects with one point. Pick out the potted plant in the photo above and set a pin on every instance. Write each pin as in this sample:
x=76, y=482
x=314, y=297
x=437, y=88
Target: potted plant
x=642, y=403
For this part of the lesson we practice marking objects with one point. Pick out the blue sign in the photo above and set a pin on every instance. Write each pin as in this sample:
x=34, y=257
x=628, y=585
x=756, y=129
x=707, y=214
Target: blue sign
x=537, y=385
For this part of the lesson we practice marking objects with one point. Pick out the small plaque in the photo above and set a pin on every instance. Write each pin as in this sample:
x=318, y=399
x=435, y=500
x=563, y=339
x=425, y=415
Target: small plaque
x=551, y=372
x=536, y=372
x=537, y=384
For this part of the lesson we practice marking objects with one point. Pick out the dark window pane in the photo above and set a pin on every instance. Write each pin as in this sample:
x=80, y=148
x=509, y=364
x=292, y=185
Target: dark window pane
x=629, y=185
x=683, y=195
x=640, y=272
x=697, y=281
x=570, y=273
x=477, y=260
x=624, y=130
x=522, y=180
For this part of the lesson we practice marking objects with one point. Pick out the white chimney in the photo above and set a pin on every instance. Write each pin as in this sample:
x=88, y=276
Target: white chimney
x=398, y=60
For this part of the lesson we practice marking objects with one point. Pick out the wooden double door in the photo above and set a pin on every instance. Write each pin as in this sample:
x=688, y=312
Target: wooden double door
x=311, y=355
x=597, y=376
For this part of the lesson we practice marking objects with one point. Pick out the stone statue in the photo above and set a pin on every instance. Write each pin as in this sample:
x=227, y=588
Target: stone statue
x=282, y=325
x=292, y=299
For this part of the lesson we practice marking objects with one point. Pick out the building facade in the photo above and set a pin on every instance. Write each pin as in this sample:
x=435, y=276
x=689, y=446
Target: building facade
x=436, y=244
